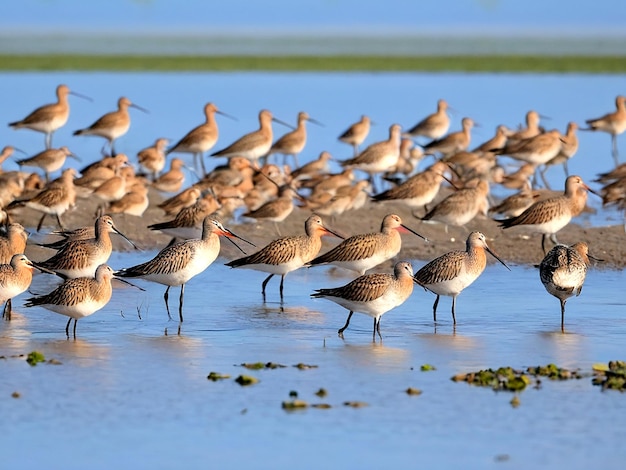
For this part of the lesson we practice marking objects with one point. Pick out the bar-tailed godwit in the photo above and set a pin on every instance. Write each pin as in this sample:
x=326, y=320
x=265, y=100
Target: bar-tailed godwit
x=172, y=180
x=363, y=252
x=57, y=198
x=452, y=272
x=550, y=215
x=460, y=207
x=152, y=159
x=112, y=125
x=453, y=142
x=378, y=157
x=50, y=117
x=15, y=278
x=50, y=160
x=13, y=243
x=419, y=190
x=255, y=144
x=202, y=138
x=313, y=169
x=176, y=264
x=80, y=258
x=433, y=126
x=78, y=298
x=277, y=209
x=286, y=254
x=613, y=123
x=563, y=271
x=372, y=294
x=356, y=134
x=293, y=142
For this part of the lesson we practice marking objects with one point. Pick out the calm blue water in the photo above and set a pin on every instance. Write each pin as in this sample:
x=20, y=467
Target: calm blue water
x=127, y=393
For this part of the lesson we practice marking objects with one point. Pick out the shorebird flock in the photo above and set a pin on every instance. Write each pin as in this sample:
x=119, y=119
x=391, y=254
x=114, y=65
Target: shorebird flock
x=250, y=181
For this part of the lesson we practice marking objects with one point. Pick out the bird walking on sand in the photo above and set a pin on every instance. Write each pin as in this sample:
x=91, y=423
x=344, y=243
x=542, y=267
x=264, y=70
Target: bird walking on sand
x=372, y=294
x=613, y=123
x=293, y=142
x=460, y=207
x=433, y=126
x=55, y=199
x=563, y=271
x=419, y=190
x=452, y=143
x=378, y=157
x=362, y=252
x=452, y=272
x=112, y=125
x=548, y=216
x=356, y=134
x=152, y=159
x=202, y=138
x=50, y=117
x=255, y=144
x=15, y=278
x=78, y=298
x=50, y=160
x=176, y=264
x=80, y=258
x=286, y=254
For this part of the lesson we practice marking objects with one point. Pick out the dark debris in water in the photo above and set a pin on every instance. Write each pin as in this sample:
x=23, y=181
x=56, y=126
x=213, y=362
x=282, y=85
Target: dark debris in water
x=504, y=378
x=215, y=376
x=413, y=391
x=245, y=380
x=427, y=367
x=611, y=376
x=262, y=365
x=514, y=380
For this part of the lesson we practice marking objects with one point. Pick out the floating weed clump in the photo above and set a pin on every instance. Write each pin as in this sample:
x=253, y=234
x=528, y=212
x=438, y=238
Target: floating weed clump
x=245, y=380
x=293, y=405
x=321, y=393
x=302, y=366
x=553, y=372
x=611, y=376
x=262, y=365
x=35, y=357
x=355, y=404
x=427, y=367
x=215, y=376
x=413, y=391
x=504, y=378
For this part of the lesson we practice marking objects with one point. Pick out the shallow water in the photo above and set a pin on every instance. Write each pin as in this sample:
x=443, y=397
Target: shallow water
x=126, y=390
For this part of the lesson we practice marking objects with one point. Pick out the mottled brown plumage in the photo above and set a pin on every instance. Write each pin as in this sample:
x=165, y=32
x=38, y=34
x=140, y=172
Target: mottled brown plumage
x=286, y=254
x=372, y=294
x=79, y=297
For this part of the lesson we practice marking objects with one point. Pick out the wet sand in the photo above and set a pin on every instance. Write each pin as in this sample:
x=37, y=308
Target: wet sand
x=515, y=245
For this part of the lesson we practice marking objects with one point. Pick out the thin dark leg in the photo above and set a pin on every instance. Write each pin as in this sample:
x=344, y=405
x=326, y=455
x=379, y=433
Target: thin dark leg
x=565, y=168
x=267, y=279
x=48, y=141
x=180, y=305
x=543, y=177
x=543, y=243
x=59, y=222
x=341, y=330
x=615, y=151
x=453, y=308
x=166, y=296
x=562, y=316
x=75, y=322
x=377, y=324
x=435, y=308
x=282, y=282
x=67, y=327
x=6, y=313
x=41, y=222
x=112, y=145
x=374, y=332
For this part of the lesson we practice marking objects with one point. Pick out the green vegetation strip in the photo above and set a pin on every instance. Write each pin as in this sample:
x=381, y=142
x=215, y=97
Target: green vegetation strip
x=354, y=63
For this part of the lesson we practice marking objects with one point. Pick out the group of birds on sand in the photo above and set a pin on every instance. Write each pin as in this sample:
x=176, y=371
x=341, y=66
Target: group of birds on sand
x=267, y=192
